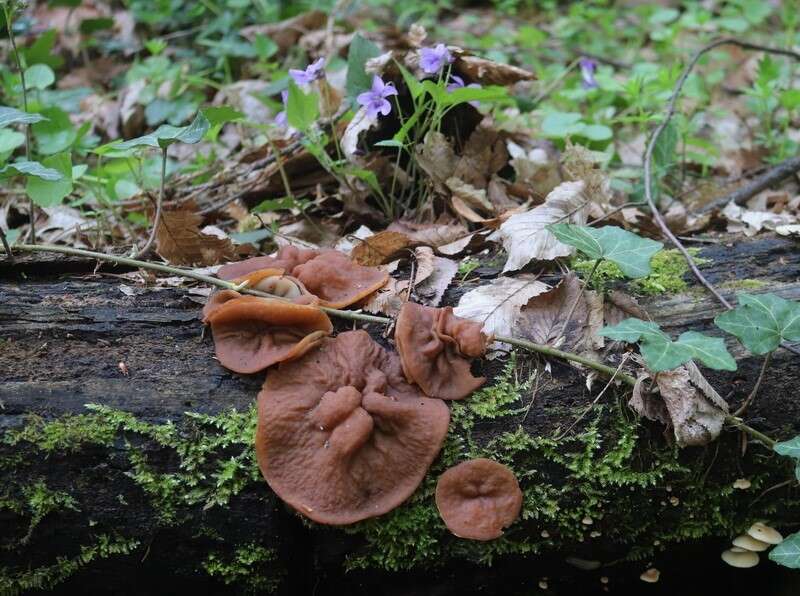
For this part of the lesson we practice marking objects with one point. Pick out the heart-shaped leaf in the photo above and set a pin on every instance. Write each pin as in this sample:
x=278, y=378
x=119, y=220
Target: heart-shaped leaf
x=47, y=193
x=32, y=168
x=762, y=322
x=790, y=448
x=9, y=116
x=302, y=109
x=631, y=253
x=660, y=352
x=787, y=553
x=166, y=134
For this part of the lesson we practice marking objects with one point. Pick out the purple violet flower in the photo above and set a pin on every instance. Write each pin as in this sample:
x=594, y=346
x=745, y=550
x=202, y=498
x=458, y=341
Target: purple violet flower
x=432, y=60
x=280, y=118
x=588, y=66
x=456, y=82
x=374, y=100
x=313, y=72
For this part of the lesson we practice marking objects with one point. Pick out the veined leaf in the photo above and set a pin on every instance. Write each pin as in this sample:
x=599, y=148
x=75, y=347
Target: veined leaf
x=166, y=134
x=9, y=116
x=32, y=168
x=302, y=109
x=762, y=322
x=790, y=448
x=660, y=352
x=465, y=94
x=631, y=253
x=787, y=553
x=47, y=193
x=361, y=50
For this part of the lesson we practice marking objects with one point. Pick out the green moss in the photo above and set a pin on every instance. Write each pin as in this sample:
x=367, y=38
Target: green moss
x=250, y=568
x=743, y=284
x=667, y=277
x=491, y=402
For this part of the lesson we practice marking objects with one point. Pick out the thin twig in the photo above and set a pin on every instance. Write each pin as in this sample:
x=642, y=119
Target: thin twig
x=159, y=203
x=4, y=240
x=756, y=387
x=648, y=157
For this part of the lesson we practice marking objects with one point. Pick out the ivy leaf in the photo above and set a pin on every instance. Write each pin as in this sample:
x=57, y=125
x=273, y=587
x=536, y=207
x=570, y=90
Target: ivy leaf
x=662, y=353
x=166, y=134
x=47, y=193
x=631, y=253
x=302, y=109
x=9, y=116
x=790, y=448
x=787, y=553
x=762, y=322
x=32, y=168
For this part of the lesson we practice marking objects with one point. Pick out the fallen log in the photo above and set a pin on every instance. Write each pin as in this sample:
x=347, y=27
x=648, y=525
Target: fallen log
x=127, y=463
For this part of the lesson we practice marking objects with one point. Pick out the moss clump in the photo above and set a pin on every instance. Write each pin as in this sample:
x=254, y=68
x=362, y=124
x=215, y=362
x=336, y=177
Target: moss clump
x=669, y=268
x=491, y=402
x=37, y=501
x=249, y=568
x=743, y=284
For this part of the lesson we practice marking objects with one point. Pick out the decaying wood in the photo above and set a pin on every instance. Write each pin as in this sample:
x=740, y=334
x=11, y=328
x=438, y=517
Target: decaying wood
x=70, y=336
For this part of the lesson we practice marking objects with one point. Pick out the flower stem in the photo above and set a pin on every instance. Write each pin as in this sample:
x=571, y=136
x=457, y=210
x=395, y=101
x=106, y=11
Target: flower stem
x=157, y=218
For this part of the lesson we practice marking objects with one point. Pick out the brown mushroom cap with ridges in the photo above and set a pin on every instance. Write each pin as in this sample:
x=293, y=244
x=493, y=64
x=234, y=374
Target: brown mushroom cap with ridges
x=287, y=258
x=273, y=281
x=478, y=498
x=216, y=300
x=252, y=333
x=341, y=436
x=434, y=346
x=337, y=280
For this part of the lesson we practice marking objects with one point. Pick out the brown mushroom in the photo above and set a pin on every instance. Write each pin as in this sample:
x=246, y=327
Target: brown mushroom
x=337, y=280
x=287, y=258
x=216, y=300
x=434, y=347
x=273, y=281
x=341, y=436
x=478, y=498
x=252, y=333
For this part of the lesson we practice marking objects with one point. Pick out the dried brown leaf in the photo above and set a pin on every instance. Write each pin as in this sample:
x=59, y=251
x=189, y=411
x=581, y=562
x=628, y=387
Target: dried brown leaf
x=543, y=318
x=488, y=72
x=379, y=248
x=180, y=241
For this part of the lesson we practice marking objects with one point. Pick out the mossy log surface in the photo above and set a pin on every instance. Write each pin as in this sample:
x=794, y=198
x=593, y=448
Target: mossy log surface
x=139, y=478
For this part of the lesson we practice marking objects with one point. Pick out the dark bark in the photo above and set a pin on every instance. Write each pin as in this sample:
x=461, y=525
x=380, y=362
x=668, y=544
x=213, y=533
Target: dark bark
x=65, y=329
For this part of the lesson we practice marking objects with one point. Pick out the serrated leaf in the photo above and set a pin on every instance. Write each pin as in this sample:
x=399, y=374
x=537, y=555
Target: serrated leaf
x=790, y=448
x=9, y=116
x=32, y=168
x=661, y=353
x=631, y=253
x=762, y=322
x=787, y=553
x=361, y=50
x=302, y=109
x=47, y=193
x=166, y=134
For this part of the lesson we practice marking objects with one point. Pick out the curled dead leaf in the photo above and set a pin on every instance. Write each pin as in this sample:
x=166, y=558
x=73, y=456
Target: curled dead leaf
x=379, y=248
x=180, y=241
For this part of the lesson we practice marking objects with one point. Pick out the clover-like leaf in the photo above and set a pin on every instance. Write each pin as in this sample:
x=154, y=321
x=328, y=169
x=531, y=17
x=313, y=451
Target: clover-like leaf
x=166, y=134
x=9, y=116
x=631, y=253
x=790, y=448
x=762, y=322
x=787, y=553
x=660, y=352
x=32, y=168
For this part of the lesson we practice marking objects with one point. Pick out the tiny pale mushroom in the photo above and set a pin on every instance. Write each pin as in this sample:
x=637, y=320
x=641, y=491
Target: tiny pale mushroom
x=740, y=558
x=436, y=346
x=741, y=484
x=650, y=576
x=341, y=436
x=764, y=533
x=478, y=498
x=252, y=333
x=747, y=542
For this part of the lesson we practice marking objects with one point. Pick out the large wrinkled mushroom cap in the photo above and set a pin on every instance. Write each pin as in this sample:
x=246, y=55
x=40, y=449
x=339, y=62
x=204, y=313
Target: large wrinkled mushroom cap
x=286, y=259
x=337, y=280
x=253, y=333
x=478, y=498
x=341, y=436
x=216, y=300
x=434, y=345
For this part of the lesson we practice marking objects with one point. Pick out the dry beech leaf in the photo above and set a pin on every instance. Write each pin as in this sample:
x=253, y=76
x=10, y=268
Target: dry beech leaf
x=497, y=304
x=360, y=123
x=474, y=198
x=434, y=235
x=430, y=289
x=488, y=72
x=389, y=299
x=618, y=306
x=536, y=167
x=525, y=237
x=179, y=240
x=543, y=318
x=379, y=248
x=648, y=405
x=483, y=155
x=752, y=222
x=437, y=158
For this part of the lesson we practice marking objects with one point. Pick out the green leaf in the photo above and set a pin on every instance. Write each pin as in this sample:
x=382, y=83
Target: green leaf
x=414, y=86
x=47, y=193
x=762, y=322
x=631, y=253
x=166, y=134
x=790, y=448
x=562, y=124
x=664, y=150
x=39, y=76
x=465, y=94
x=661, y=353
x=787, y=553
x=55, y=133
x=302, y=109
x=221, y=115
x=596, y=132
x=10, y=140
x=41, y=51
x=361, y=50
x=9, y=116
x=32, y=168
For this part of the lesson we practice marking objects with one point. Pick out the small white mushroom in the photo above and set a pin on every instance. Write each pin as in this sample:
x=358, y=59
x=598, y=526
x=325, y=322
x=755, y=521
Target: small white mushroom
x=545, y=534
x=650, y=576
x=764, y=533
x=747, y=542
x=587, y=521
x=741, y=483
x=742, y=560
x=543, y=584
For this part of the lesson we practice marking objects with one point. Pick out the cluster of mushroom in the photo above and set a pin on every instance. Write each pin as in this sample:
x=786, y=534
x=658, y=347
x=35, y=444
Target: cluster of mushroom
x=347, y=429
x=744, y=552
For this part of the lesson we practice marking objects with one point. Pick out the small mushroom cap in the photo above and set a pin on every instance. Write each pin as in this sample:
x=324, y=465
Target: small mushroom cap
x=650, y=576
x=742, y=560
x=478, y=498
x=287, y=258
x=764, y=533
x=747, y=542
x=273, y=281
x=337, y=280
x=341, y=436
x=434, y=347
x=252, y=333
